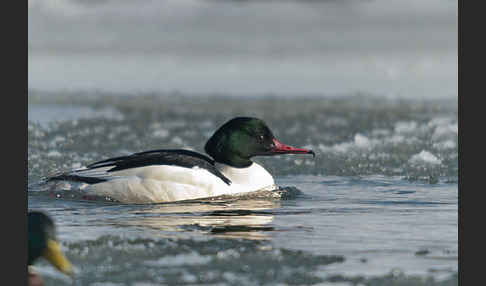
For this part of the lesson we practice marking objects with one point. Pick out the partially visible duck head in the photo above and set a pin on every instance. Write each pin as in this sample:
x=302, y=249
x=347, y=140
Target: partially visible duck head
x=42, y=242
x=241, y=138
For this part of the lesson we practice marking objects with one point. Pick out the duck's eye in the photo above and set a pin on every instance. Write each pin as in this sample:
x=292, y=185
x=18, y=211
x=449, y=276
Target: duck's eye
x=261, y=138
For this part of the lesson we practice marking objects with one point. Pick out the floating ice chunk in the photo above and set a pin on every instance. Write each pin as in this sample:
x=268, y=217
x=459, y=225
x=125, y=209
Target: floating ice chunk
x=443, y=127
x=445, y=130
x=395, y=139
x=380, y=132
x=362, y=141
x=379, y=156
x=180, y=259
x=405, y=127
x=160, y=133
x=448, y=144
x=54, y=153
x=359, y=141
x=58, y=139
x=439, y=121
x=425, y=157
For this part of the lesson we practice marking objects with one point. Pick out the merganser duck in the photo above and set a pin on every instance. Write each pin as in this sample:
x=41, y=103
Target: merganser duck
x=42, y=243
x=174, y=175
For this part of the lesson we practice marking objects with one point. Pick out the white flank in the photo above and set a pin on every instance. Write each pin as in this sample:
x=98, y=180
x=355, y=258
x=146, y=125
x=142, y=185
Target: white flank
x=152, y=184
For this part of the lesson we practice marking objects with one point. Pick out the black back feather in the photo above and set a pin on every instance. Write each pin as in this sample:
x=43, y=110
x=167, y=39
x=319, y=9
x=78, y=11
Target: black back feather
x=173, y=157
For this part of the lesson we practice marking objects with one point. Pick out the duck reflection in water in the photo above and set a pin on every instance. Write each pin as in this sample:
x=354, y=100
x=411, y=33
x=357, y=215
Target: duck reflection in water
x=248, y=218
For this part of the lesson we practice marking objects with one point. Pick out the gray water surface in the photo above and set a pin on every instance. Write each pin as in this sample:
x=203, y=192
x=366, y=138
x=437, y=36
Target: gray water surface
x=377, y=206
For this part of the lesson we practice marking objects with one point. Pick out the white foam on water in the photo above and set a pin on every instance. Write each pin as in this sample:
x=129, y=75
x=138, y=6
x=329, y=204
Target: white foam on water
x=405, y=127
x=362, y=141
x=179, y=260
x=395, y=139
x=425, y=157
x=446, y=130
x=447, y=144
x=380, y=132
x=160, y=133
x=57, y=140
x=359, y=142
x=54, y=153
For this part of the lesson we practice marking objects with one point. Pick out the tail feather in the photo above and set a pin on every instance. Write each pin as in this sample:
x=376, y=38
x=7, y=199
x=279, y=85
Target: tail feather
x=82, y=175
x=76, y=178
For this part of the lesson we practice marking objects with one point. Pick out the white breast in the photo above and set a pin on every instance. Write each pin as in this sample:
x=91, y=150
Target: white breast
x=252, y=178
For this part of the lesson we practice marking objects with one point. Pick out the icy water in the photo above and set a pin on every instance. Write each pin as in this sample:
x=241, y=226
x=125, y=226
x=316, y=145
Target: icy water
x=377, y=206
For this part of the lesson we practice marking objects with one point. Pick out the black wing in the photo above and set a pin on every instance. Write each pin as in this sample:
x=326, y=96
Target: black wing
x=175, y=157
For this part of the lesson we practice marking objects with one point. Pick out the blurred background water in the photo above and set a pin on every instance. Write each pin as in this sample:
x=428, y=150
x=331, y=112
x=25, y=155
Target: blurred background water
x=391, y=48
